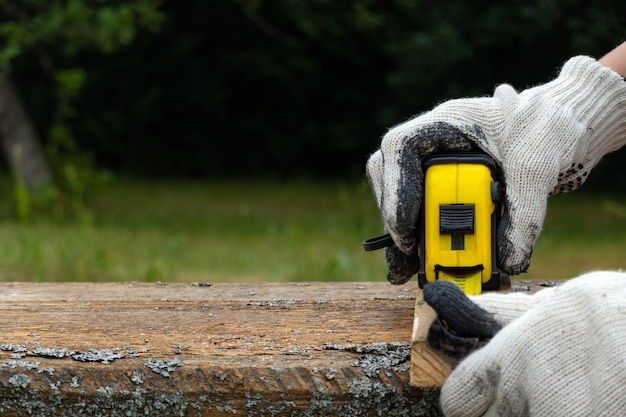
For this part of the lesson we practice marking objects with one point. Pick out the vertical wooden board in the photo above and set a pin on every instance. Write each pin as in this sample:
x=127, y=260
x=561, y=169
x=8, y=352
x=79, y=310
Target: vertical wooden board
x=429, y=368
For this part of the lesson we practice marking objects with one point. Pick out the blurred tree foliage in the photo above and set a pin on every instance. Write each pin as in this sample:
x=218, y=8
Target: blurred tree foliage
x=301, y=87
x=46, y=38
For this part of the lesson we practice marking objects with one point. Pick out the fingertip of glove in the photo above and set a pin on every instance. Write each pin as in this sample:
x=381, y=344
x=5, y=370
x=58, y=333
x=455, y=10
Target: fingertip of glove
x=398, y=279
x=454, y=346
x=505, y=257
x=461, y=315
x=437, y=291
x=401, y=266
x=514, y=258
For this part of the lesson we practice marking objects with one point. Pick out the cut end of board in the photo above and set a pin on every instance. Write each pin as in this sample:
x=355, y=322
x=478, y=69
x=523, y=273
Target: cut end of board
x=429, y=368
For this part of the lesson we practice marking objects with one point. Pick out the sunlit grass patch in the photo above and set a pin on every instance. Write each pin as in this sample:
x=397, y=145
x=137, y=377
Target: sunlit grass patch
x=227, y=231
x=262, y=230
x=582, y=232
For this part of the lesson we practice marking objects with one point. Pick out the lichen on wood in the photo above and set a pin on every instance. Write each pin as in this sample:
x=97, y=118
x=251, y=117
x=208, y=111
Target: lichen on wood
x=130, y=349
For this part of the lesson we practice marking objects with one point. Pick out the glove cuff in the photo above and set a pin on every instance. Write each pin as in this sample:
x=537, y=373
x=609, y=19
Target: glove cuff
x=593, y=101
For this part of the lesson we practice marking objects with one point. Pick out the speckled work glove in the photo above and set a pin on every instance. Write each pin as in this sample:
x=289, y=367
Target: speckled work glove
x=563, y=356
x=546, y=139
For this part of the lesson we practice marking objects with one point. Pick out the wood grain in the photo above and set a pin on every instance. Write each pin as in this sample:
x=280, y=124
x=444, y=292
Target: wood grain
x=193, y=349
x=429, y=368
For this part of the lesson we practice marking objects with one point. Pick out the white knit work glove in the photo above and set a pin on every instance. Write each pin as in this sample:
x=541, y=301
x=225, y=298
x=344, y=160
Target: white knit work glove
x=546, y=139
x=564, y=356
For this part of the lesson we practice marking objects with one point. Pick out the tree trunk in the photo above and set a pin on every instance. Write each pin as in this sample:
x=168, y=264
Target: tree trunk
x=20, y=142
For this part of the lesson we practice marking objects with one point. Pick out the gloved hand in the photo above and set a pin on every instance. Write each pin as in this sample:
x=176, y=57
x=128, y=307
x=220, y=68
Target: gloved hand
x=562, y=352
x=546, y=139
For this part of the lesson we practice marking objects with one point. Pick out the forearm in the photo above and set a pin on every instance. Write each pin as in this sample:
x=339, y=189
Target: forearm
x=616, y=59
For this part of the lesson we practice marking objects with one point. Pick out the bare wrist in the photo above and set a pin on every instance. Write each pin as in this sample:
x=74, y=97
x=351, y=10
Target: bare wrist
x=616, y=59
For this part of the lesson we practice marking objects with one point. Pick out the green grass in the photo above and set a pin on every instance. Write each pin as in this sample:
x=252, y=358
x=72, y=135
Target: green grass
x=582, y=232
x=263, y=231
x=226, y=231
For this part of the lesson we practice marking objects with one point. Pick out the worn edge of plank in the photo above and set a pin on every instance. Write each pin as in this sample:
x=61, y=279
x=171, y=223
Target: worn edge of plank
x=342, y=380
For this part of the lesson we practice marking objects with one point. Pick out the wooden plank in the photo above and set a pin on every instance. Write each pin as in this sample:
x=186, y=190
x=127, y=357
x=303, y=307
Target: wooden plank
x=268, y=349
x=429, y=368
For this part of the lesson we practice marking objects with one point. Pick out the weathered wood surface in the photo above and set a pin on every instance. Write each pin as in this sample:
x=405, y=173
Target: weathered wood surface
x=135, y=349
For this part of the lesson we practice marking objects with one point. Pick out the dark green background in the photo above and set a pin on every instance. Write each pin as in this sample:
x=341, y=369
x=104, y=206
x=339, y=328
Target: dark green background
x=288, y=88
